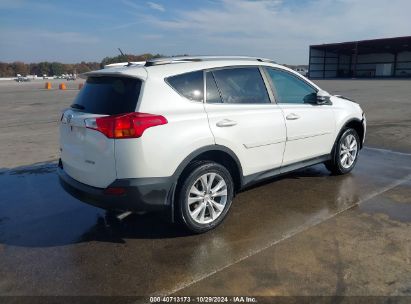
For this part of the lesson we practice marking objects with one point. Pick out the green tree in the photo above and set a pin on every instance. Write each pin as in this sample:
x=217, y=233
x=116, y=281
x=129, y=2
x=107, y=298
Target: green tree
x=128, y=57
x=82, y=68
x=4, y=70
x=34, y=69
x=57, y=68
x=44, y=68
x=20, y=68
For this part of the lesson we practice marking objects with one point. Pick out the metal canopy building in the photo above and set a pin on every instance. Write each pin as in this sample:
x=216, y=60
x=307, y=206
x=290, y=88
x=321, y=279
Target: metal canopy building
x=390, y=57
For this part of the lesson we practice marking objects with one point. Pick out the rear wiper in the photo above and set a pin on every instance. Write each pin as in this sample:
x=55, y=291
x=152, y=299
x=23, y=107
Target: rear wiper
x=77, y=106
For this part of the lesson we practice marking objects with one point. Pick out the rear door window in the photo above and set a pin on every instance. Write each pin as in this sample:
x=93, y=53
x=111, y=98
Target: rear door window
x=108, y=95
x=190, y=85
x=241, y=85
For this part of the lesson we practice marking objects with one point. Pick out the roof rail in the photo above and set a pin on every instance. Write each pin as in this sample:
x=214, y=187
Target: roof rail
x=123, y=64
x=168, y=60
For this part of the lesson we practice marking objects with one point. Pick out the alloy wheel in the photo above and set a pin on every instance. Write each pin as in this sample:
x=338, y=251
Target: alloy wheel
x=348, y=151
x=207, y=198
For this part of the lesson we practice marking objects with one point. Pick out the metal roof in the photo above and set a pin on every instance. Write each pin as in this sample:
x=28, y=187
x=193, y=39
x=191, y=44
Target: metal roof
x=382, y=45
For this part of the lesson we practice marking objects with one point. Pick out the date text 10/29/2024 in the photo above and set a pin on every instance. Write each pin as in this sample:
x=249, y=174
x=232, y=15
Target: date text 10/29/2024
x=205, y=299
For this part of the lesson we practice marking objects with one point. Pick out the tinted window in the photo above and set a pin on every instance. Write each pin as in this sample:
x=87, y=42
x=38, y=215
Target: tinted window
x=291, y=89
x=213, y=96
x=190, y=85
x=108, y=95
x=241, y=85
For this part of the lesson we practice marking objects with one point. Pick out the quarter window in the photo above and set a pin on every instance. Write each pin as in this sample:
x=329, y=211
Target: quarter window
x=291, y=89
x=190, y=85
x=241, y=85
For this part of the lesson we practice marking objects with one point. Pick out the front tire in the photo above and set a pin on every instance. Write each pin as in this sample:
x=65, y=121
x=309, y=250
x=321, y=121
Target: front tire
x=205, y=196
x=345, y=153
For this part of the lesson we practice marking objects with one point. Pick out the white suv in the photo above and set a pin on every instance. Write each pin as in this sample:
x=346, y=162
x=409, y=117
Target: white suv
x=187, y=134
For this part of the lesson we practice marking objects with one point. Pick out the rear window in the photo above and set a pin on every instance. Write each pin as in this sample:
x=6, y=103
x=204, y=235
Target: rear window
x=190, y=85
x=108, y=95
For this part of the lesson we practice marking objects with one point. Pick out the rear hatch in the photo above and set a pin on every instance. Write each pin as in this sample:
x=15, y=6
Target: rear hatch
x=87, y=155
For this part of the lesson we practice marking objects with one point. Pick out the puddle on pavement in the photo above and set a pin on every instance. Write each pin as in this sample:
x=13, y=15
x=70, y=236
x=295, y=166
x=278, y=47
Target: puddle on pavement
x=35, y=169
x=395, y=210
x=35, y=211
x=42, y=223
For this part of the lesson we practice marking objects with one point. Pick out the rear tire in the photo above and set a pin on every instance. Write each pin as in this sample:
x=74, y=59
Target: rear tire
x=345, y=154
x=205, y=196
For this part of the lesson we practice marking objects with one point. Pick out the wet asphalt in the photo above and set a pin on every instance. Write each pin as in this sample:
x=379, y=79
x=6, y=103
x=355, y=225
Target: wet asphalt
x=306, y=233
x=52, y=244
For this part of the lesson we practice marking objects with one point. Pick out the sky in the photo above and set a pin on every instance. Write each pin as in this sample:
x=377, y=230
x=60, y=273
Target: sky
x=282, y=30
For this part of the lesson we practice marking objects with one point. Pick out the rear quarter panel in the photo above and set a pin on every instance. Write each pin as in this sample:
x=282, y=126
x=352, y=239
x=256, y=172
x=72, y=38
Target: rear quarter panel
x=161, y=149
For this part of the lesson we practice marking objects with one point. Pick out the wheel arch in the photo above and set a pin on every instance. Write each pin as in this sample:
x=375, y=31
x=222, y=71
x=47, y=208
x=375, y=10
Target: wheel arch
x=355, y=124
x=219, y=154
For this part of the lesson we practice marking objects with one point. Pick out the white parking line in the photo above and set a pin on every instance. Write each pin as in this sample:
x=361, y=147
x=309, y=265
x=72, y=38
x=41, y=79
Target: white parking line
x=387, y=151
x=290, y=234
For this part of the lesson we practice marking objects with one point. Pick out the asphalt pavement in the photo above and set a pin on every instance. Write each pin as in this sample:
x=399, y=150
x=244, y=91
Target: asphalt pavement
x=304, y=234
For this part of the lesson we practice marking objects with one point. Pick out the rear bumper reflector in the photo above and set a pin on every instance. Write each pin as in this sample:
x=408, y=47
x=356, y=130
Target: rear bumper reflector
x=114, y=191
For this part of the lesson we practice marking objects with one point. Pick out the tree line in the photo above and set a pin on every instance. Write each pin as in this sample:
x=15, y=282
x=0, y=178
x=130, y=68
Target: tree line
x=58, y=68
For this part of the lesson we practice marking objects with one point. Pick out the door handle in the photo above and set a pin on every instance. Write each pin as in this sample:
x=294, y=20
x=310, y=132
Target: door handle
x=226, y=123
x=292, y=116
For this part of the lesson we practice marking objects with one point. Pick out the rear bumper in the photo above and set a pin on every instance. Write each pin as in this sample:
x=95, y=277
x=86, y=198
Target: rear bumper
x=141, y=194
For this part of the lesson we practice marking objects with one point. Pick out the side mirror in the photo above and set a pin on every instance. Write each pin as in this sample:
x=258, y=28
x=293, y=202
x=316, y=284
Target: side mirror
x=323, y=98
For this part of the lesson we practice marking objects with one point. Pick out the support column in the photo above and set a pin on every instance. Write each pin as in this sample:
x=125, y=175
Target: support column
x=338, y=65
x=309, y=63
x=395, y=64
x=355, y=60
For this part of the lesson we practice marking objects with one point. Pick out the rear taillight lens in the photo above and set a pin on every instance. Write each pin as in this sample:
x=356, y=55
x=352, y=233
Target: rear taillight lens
x=114, y=191
x=131, y=125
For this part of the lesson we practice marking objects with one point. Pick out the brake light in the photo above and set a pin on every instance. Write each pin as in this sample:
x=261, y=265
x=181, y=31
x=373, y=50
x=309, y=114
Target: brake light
x=114, y=191
x=130, y=125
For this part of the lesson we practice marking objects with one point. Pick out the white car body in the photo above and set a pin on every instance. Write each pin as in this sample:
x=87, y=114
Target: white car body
x=263, y=139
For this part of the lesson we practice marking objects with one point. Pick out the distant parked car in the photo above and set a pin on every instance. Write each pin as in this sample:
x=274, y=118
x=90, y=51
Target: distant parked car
x=22, y=79
x=71, y=77
x=186, y=134
x=301, y=71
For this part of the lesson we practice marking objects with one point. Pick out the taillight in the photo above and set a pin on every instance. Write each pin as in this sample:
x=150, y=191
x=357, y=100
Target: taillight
x=114, y=191
x=131, y=125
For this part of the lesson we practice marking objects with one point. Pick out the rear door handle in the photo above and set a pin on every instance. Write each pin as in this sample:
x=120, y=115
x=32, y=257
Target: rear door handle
x=292, y=116
x=226, y=123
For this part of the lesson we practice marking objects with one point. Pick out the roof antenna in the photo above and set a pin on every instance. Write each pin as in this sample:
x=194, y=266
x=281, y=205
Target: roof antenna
x=128, y=61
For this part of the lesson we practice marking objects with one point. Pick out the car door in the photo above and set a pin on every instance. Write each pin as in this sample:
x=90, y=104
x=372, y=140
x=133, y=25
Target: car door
x=310, y=126
x=243, y=117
